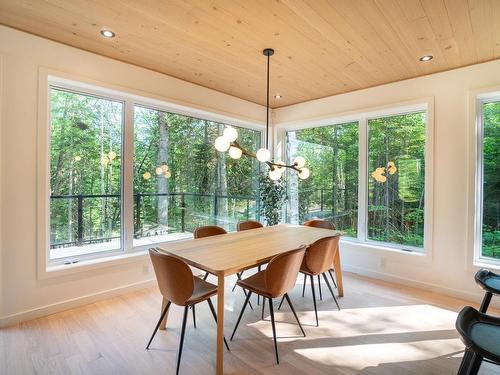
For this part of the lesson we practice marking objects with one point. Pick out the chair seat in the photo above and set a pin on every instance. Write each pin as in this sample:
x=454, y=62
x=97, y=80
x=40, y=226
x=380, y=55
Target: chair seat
x=307, y=271
x=488, y=280
x=202, y=291
x=480, y=333
x=256, y=284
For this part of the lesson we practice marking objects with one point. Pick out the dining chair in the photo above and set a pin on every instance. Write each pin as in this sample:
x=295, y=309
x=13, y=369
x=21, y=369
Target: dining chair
x=275, y=281
x=248, y=225
x=317, y=262
x=208, y=231
x=178, y=285
x=480, y=334
x=318, y=223
x=490, y=283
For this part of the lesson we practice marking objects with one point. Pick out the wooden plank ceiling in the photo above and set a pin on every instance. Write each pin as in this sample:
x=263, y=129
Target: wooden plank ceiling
x=322, y=47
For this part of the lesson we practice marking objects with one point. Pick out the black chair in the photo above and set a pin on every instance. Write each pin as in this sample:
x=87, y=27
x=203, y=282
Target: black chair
x=481, y=335
x=490, y=282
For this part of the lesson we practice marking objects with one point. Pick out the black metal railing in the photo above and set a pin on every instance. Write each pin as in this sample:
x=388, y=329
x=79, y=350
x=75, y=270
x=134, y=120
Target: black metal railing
x=94, y=218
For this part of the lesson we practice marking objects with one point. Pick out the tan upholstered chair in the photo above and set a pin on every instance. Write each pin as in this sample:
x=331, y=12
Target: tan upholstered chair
x=208, y=231
x=248, y=224
x=275, y=281
x=178, y=285
x=317, y=223
x=317, y=261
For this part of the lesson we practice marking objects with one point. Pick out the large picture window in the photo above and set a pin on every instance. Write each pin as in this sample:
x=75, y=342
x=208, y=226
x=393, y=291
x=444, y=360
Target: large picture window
x=396, y=183
x=489, y=180
x=85, y=173
x=367, y=177
x=120, y=182
x=181, y=181
x=331, y=191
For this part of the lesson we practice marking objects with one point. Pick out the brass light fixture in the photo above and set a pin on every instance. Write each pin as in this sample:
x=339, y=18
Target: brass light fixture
x=228, y=142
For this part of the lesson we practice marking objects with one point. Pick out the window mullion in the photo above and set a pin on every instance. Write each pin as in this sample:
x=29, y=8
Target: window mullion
x=362, y=180
x=128, y=178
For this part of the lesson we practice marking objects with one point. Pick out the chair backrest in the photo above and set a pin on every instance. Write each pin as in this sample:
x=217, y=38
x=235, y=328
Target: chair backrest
x=248, y=224
x=207, y=231
x=175, y=278
x=320, y=224
x=319, y=256
x=282, y=271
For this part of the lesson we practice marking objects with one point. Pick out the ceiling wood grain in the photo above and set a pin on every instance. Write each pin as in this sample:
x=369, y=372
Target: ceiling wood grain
x=323, y=47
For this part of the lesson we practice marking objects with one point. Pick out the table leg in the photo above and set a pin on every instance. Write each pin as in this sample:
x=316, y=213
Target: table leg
x=338, y=273
x=163, y=324
x=220, y=325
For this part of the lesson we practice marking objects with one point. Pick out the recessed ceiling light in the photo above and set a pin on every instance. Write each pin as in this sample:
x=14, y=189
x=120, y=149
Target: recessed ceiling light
x=426, y=58
x=277, y=96
x=107, y=33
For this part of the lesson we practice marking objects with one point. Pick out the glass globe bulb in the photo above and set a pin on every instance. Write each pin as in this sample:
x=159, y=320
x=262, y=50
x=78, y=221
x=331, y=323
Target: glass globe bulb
x=146, y=175
x=304, y=173
x=112, y=155
x=263, y=155
x=235, y=152
x=231, y=134
x=164, y=168
x=168, y=174
x=299, y=162
x=158, y=170
x=222, y=144
x=274, y=174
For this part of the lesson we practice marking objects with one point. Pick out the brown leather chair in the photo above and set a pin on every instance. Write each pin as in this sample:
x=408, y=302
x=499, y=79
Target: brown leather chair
x=317, y=261
x=317, y=223
x=208, y=231
x=275, y=281
x=178, y=285
x=248, y=224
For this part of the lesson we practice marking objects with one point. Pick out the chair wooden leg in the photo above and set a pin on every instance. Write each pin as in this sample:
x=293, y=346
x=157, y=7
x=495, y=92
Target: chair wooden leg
x=274, y=329
x=159, y=322
x=304, y=285
x=331, y=291
x=194, y=315
x=183, y=332
x=241, y=314
x=281, y=302
x=314, y=300
x=294, y=313
x=333, y=278
x=486, y=302
x=214, y=314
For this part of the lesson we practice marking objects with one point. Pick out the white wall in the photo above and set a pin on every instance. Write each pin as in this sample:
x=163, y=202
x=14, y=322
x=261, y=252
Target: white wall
x=450, y=266
x=25, y=296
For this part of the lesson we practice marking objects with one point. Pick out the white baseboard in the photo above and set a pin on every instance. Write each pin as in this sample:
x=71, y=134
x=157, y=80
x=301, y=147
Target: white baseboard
x=468, y=296
x=71, y=303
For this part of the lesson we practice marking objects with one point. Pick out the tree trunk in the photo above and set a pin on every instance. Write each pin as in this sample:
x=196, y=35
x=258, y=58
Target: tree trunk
x=162, y=182
x=334, y=174
x=221, y=209
x=293, y=187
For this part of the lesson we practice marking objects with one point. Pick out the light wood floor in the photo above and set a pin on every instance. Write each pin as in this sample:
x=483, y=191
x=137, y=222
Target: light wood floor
x=381, y=329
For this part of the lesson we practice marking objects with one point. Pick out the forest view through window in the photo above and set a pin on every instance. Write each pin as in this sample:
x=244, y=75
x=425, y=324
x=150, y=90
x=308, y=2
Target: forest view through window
x=181, y=181
x=491, y=181
x=396, y=182
x=85, y=173
x=331, y=191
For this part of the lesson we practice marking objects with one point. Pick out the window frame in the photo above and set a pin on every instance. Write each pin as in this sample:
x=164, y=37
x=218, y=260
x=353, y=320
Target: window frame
x=46, y=267
x=480, y=99
x=362, y=117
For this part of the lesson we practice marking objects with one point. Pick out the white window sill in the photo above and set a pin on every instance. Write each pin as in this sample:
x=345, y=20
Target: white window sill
x=421, y=254
x=57, y=270
x=488, y=264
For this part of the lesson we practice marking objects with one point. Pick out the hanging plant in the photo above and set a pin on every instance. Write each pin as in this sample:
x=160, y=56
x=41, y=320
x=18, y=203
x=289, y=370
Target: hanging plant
x=273, y=196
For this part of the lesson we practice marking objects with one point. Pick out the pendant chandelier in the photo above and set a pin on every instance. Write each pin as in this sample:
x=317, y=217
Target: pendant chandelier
x=228, y=141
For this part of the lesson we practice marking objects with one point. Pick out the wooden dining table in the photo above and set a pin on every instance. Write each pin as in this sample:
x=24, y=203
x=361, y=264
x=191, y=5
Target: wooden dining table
x=227, y=254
